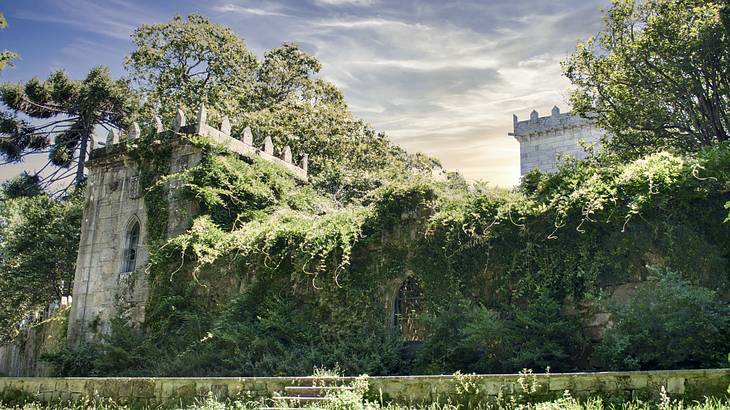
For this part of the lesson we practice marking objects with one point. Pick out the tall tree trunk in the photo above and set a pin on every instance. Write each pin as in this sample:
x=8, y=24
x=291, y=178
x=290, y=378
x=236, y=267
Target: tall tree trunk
x=82, y=156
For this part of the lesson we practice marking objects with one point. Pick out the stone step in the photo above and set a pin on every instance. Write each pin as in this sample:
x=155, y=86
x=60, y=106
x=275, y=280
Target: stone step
x=314, y=390
x=279, y=408
x=310, y=407
x=301, y=399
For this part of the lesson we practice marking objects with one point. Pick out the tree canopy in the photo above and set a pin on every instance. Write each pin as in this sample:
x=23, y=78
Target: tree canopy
x=39, y=238
x=657, y=76
x=191, y=61
x=63, y=114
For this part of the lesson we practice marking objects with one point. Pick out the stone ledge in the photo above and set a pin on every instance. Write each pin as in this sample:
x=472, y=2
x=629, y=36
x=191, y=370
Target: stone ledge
x=690, y=384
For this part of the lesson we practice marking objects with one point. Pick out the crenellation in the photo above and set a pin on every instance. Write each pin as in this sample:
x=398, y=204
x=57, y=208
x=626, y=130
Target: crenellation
x=134, y=132
x=112, y=137
x=179, y=120
x=226, y=125
x=247, y=136
x=268, y=146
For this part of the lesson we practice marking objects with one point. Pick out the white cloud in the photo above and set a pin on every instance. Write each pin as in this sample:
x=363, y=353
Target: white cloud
x=360, y=3
x=233, y=8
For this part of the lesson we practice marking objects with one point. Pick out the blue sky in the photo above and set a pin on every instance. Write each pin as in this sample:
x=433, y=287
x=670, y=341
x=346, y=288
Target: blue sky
x=439, y=77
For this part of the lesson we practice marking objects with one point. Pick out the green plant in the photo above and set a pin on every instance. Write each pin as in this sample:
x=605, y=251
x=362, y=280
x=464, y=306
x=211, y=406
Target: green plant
x=668, y=324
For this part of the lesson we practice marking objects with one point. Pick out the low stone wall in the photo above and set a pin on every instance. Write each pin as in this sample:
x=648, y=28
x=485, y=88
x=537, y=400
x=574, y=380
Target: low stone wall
x=690, y=384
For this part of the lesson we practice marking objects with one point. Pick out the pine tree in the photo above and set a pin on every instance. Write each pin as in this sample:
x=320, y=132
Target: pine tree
x=61, y=117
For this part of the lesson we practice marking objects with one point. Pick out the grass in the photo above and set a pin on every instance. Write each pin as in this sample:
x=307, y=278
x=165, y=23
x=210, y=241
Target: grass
x=567, y=403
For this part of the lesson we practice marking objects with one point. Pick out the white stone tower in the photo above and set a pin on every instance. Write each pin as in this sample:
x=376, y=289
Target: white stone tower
x=543, y=140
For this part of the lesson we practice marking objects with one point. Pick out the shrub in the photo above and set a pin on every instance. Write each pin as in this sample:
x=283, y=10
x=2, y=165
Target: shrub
x=470, y=337
x=669, y=324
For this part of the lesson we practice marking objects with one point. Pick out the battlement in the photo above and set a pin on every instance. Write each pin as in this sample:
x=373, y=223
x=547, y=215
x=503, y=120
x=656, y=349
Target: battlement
x=537, y=125
x=242, y=145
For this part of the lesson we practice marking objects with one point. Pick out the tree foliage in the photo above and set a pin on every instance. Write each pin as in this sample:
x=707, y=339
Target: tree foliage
x=6, y=56
x=191, y=61
x=39, y=239
x=657, y=76
x=63, y=114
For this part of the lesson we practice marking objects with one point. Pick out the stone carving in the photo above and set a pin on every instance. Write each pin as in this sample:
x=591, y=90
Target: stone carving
x=286, y=155
x=134, y=187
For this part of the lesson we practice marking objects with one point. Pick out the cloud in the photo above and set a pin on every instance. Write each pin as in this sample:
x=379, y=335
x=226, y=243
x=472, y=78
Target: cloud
x=438, y=80
x=360, y=3
x=439, y=77
x=233, y=8
x=117, y=19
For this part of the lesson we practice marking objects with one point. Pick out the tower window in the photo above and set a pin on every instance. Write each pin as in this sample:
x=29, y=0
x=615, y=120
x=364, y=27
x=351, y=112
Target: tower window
x=129, y=261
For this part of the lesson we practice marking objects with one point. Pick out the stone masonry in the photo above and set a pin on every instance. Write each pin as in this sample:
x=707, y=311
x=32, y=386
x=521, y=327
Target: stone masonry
x=104, y=286
x=544, y=140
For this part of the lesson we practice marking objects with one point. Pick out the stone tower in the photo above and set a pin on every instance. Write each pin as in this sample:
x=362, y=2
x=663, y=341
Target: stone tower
x=543, y=140
x=110, y=269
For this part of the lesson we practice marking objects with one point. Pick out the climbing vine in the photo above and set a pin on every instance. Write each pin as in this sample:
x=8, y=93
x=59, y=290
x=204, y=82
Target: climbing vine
x=274, y=277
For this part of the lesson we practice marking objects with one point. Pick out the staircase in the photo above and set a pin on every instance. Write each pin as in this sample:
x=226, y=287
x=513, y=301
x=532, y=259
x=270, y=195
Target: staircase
x=321, y=392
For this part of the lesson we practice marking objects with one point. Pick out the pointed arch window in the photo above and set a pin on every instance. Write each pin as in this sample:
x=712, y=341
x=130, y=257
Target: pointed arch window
x=409, y=306
x=131, y=243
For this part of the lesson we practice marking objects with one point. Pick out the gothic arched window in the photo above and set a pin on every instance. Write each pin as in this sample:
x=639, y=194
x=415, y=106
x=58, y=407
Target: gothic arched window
x=131, y=242
x=409, y=305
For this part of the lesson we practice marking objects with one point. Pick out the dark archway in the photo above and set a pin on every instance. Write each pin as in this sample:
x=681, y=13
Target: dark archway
x=409, y=305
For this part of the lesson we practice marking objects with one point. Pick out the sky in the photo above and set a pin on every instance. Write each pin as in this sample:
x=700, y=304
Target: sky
x=440, y=77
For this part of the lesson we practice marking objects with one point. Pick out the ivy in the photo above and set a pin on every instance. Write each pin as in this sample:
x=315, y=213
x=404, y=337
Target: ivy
x=275, y=277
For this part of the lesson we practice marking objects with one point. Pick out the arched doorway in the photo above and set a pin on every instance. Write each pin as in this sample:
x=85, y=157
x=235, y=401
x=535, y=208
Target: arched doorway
x=409, y=305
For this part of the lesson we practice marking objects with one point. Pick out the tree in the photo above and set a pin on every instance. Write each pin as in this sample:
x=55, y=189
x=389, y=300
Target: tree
x=657, y=75
x=188, y=62
x=63, y=114
x=39, y=238
x=6, y=56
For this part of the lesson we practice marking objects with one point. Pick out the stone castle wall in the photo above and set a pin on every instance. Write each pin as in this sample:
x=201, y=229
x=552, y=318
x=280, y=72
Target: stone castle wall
x=543, y=140
x=114, y=201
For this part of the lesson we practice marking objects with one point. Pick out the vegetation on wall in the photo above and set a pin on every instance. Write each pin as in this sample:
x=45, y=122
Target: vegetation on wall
x=276, y=277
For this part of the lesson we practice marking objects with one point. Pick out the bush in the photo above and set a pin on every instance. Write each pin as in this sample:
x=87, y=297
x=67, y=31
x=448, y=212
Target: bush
x=669, y=324
x=470, y=337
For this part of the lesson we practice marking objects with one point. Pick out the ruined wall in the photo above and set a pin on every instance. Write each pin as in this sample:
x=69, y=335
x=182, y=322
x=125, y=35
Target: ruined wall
x=544, y=139
x=21, y=357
